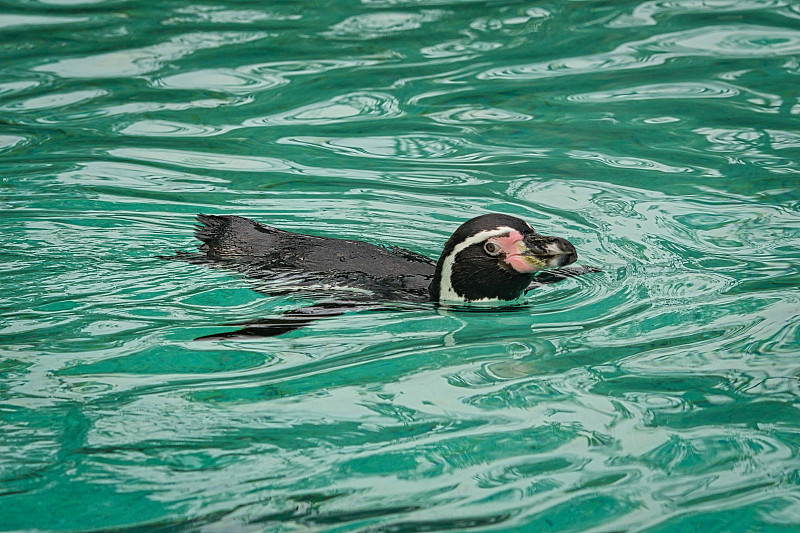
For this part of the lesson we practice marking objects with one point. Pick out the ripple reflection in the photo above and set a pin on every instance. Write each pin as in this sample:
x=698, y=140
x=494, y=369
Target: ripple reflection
x=357, y=106
x=716, y=41
x=138, y=61
x=234, y=81
x=375, y=25
x=659, y=91
x=645, y=14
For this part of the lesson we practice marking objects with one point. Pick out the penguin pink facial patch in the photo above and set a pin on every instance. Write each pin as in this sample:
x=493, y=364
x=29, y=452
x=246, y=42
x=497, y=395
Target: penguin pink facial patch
x=514, y=249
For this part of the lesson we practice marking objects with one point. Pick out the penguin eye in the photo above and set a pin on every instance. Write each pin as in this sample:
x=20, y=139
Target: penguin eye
x=491, y=248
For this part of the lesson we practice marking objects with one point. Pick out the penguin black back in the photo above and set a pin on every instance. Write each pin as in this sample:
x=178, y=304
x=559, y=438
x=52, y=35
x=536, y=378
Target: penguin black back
x=260, y=251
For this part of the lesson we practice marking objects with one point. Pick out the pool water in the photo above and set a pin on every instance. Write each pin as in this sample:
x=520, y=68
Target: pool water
x=662, y=138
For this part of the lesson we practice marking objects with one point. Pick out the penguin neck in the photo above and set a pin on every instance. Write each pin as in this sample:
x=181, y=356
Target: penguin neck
x=442, y=288
x=434, y=289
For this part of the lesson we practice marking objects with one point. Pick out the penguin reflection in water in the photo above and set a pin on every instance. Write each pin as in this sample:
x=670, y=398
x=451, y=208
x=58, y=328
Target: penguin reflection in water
x=490, y=260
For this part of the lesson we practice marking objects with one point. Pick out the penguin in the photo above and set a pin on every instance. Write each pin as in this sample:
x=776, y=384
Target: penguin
x=491, y=260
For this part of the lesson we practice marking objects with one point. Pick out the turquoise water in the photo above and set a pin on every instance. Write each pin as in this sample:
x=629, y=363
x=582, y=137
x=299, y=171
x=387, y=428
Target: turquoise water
x=660, y=137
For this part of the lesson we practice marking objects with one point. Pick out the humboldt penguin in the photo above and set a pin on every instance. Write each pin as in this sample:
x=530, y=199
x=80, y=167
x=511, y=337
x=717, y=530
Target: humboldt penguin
x=491, y=259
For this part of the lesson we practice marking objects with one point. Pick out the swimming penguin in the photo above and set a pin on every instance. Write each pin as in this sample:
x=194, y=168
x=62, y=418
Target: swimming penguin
x=490, y=259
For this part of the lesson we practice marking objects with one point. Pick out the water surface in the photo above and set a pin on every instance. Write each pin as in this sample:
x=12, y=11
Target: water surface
x=660, y=137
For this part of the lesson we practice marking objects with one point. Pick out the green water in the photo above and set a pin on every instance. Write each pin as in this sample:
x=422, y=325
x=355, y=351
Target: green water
x=662, y=138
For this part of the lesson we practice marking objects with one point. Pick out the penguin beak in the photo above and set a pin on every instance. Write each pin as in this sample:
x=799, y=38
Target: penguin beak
x=537, y=252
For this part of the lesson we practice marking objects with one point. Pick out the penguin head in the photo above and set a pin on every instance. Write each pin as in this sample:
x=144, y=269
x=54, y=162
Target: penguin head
x=493, y=258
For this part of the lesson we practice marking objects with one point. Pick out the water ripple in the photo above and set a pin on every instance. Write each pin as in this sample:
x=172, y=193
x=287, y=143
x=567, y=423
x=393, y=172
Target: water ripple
x=645, y=14
x=166, y=128
x=16, y=86
x=357, y=106
x=376, y=25
x=528, y=21
x=478, y=115
x=753, y=146
x=8, y=142
x=627, y=162
x=740, y=140
x=205, y=160
x=138, y=61
x=234, y=81
x=314, y=66
x=51, y=101
x=17, y=21
x=430, y=148
x=462, y=48
x=658, y=91
x=129, y=177
x=210, y=161
x=741, y=41
x=220, y=15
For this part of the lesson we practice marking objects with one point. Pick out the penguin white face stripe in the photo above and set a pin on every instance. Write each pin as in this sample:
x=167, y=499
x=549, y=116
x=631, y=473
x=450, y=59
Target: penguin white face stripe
x=446, y=291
